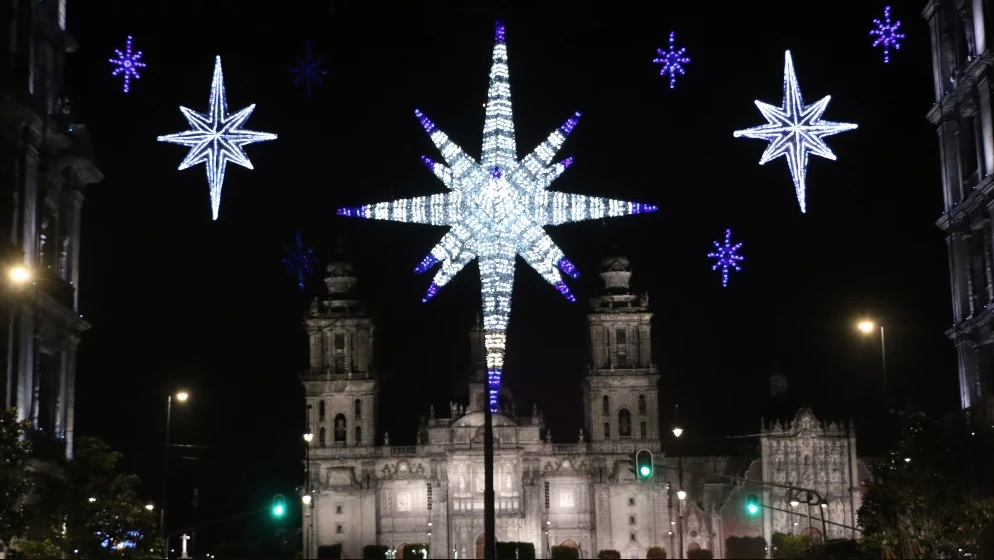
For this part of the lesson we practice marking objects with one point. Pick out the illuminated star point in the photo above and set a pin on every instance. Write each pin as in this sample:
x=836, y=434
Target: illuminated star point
x=216, y=138
x=795, y=130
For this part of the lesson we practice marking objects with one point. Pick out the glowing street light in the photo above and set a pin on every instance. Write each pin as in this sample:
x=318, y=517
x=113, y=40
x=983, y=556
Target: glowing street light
x=19, y=274
x=182, y=396
x=306, y=498
x=308, y=437
x=681, y=495
x=866, y=326
x=149, y=507
x=677, y=432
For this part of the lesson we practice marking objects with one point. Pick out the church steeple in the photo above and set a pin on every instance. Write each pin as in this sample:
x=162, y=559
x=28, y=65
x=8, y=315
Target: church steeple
x=620, y=395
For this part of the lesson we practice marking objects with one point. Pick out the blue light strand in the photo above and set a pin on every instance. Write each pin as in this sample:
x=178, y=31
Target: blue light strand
x=672, y=61
x=298, y=259
x=886, y=34
x=308, y=71
x=727, y=257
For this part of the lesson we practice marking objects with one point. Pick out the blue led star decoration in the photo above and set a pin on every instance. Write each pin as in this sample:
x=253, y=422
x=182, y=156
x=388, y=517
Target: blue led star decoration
x=127, y=63
x=886, y=34
x=672, y=61
x=727, y=257
x=216, y=138
x=795, y=130
x=308, y=71
x=298, y=259
x=496, y=210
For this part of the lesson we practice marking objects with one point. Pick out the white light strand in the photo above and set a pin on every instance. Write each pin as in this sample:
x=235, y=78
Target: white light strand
x=216, y=138
x=795, y=130
x=496, y=210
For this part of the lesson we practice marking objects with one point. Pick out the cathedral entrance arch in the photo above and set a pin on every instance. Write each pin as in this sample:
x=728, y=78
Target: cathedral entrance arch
x=813, y=534
x=481, y=543
x=569, y=543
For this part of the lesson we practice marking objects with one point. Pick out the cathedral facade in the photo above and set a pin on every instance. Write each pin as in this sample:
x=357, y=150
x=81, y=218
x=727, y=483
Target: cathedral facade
x=581, y=494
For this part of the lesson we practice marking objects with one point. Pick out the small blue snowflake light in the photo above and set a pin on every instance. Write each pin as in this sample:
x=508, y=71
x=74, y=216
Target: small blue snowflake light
x=308, y=71
x=127, y=64
x=726, y=257
x=886, y=34
x=672, y=61
x=298, y=259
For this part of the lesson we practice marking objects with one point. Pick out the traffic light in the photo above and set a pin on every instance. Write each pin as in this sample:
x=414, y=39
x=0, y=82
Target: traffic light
x=641, y=464
x=279, y=506
x=752, y=505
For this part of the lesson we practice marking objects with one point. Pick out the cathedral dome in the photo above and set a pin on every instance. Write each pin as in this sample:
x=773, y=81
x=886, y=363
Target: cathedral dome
x=476, y=419
x=616, y=272
x=340, y=279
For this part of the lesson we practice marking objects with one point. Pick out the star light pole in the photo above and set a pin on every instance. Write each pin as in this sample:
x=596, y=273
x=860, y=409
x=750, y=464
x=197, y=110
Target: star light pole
x=866, y=327
x=496, y=212
x=181, y=397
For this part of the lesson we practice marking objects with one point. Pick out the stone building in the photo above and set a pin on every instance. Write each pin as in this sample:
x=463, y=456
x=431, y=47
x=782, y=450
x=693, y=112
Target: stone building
x=961, y=65
x=583, y=494
x=45, y=163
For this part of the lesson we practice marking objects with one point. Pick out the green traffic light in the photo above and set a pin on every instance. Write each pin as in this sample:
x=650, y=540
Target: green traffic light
x=752, y=505
x=645, y=471
x=278, y=511
x=753, y=509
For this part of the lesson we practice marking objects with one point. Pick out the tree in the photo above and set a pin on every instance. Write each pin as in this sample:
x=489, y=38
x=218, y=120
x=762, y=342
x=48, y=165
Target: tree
x=103, y=514
x=14, y=483
x=926, y=487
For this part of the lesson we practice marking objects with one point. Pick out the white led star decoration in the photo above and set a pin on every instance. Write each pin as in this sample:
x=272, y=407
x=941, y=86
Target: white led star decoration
x=216, y=137
x=795, y=130
x=496, y=209
x=727, y=257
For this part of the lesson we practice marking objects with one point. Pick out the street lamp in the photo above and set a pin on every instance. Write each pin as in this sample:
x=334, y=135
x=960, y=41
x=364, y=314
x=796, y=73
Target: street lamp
x=19, y=274
x=677, y=432
x=306, y=499
x=867, y=327
x=149, y=507
x=181, y=397
x=681, y=495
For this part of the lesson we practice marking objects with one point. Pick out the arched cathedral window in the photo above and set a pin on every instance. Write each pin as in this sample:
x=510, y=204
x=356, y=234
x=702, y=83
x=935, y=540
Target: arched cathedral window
x=624, y=423
x=642, y=405
x=358, y=435
x=358, y=409
x=643, y=432
x=607, y=430
x=320, y=410
x=606, y=406
x=322, y=437
x=340, y=428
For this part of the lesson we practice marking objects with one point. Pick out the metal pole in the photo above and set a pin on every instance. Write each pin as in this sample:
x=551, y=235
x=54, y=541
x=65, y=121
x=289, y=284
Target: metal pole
x=679, y=502
x=165, y=476
x=489, y=521
x=307, y=488
x=883, y=355
x=852, y=497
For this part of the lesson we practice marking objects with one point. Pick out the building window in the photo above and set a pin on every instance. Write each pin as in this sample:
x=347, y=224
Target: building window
x=642, y=430
x=339, y=353
x=642, y=405
x=631, y=501
x=624, y=423
x=340, y=428
x=567, y=498
x=358, y=409
x=339, y=341
x=322, y=437
x=631, y=536
x=339, y=529
x=621, y=347
x=606, y=406
x=358, y=435
x=338, y=509
x=607, y=429
x=320, y=410
x=631, y=520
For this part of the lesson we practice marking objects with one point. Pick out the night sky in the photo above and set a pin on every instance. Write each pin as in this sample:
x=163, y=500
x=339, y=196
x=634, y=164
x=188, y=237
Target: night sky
x=179, y=301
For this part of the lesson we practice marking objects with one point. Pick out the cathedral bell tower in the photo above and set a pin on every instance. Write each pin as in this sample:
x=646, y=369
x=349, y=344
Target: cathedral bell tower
x=620, y=396
x=340, y=385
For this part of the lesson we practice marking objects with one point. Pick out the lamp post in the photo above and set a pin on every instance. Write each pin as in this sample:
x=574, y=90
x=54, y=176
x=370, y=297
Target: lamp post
x=308, y=499
x=867, y=327
x=181, y=397
x=680, y=494
x=17, y=276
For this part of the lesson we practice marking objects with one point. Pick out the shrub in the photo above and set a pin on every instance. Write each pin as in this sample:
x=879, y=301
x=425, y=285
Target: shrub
x=700, y=554
x=374, y=552
x=789, y=546
x=521, y=550
x=609, y=555
x=565, y=553
x=414, y=550
x=330, y=552
x=745, y=547
x=656, y=552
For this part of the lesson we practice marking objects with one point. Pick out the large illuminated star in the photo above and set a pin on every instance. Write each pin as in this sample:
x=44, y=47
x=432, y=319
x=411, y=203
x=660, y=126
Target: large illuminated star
x=216, y=137
x=795, y=130
x=496, y=209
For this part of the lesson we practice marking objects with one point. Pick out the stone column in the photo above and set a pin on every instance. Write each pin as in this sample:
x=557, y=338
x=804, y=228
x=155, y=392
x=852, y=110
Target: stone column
x=952, y=187
x=935, y=31
x=70, y=406
x=986, y=124
x=60, y=400
x=74, y=237
x=26, y=363
x=965, y=372
x=29, y=206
